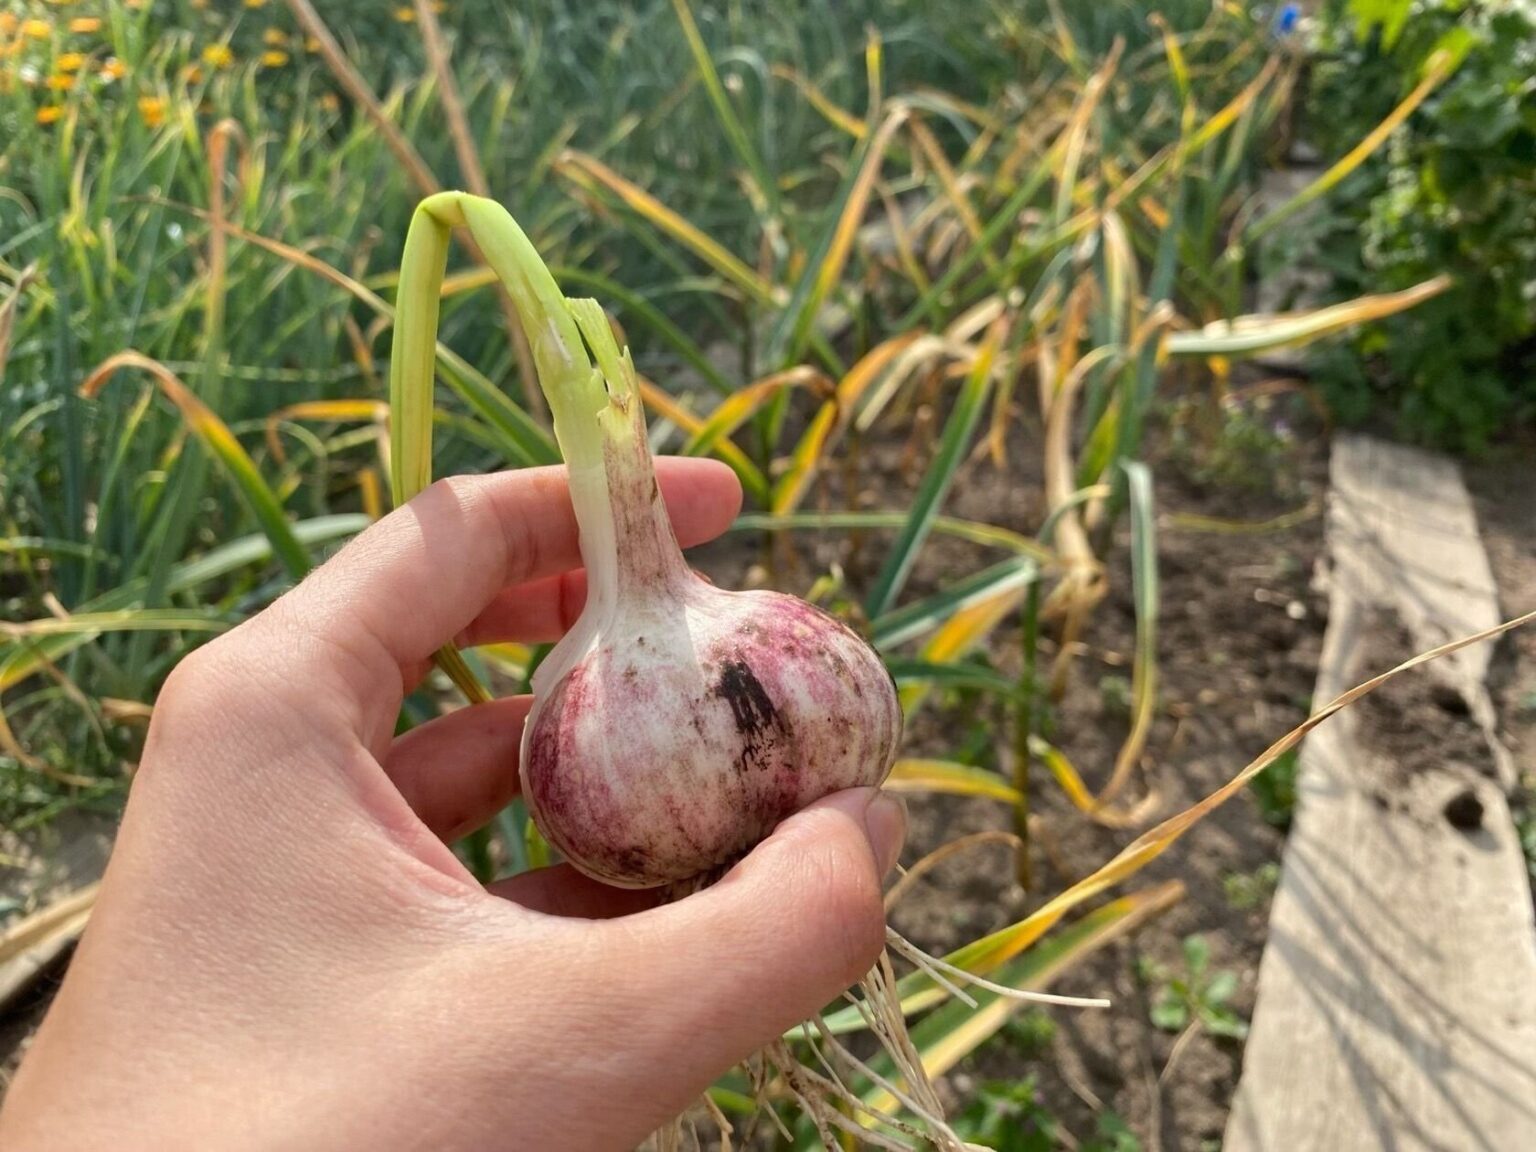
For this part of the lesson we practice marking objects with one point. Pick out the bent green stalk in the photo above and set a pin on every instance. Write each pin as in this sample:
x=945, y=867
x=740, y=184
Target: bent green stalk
x=592, y=406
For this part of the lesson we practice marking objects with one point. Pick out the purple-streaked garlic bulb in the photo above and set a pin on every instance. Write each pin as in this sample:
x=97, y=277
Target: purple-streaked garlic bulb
x=677, y=723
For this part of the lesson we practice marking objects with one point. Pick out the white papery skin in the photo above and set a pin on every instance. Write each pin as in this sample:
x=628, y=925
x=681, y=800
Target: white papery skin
x=677, y=724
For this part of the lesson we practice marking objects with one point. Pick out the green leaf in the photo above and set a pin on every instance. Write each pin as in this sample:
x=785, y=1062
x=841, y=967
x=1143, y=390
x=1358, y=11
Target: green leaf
x=1220, y=989
x=936, y=483
x=961, y=675
x=1169, y=1013
x=921, y=616
x=1197, y=955
x=1224, y=1022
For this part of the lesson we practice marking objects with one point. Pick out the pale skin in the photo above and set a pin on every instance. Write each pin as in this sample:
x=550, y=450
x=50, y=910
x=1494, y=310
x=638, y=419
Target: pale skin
x=286, y=954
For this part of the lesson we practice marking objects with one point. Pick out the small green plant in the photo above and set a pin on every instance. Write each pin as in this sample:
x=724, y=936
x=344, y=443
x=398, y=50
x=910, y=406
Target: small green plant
x=1029, y=1033
x=1274, y=790
x=1247, y=890
x=1111, y=1134
x=1197, y=997
x=1115, y=695
x=1523, y=808
x=1228, y=445
x=1005, y=1115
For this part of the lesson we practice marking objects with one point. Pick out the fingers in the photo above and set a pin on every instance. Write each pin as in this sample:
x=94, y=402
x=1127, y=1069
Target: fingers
x=459, y=770
x=563, y=891
x=418, y=577
x=533, y=613
x=723, y=972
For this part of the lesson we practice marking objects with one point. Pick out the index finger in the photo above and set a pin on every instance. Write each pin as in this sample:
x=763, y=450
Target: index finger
x=408, y=584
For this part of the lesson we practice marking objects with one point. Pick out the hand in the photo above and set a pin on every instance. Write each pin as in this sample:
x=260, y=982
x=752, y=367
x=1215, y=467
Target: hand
x=286, y=954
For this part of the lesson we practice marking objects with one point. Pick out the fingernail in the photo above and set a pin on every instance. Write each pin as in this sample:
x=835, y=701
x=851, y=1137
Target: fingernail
x=885, y=823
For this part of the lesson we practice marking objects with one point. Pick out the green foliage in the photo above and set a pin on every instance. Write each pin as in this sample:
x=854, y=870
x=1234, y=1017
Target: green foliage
x=1006, y=1116
x=1029, y=1033
x=1111, y=1134
x=1229, y=445
x=1009, y=1117
x=1522, y=807
x=1195, y=996
x=1115, y=695
x=1451, y=192
x=1274, y=789
x=1247, y=890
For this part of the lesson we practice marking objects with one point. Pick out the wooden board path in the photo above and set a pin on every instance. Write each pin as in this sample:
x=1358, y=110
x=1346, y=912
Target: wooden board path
x=1397, y=994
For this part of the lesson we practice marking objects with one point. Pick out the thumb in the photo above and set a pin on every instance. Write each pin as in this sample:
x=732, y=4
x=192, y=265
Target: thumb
x=731, y=968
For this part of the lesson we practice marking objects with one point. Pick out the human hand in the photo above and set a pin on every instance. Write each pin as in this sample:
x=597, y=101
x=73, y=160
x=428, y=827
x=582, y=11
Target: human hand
x=286, y=954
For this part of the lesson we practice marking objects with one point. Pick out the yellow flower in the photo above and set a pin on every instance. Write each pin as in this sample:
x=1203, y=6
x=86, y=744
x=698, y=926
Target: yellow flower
x=274, y=37
x=152, y=111
x=37, y=29
x=71, y=61
x=113, y=69
x=331, y=102
x=49, y=113
x=218, y=56
x=85, y=25
x=274, y=58
x=405, y=15
x=255, y=3
x=61, y=82
x=311, y=44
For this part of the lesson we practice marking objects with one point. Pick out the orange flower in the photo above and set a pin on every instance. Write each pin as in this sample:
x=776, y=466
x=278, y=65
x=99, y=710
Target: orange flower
x=311, y=44
x=255, y=3
x=61, y=82
x=49, y=113
x=9, y=22
x=331, y=102
x=274, y=58
x=136, y=4
x=37, y=29
x=405, y=15
x=152, y=111
x=113, y=69
x=192, y=74
x=274, y=38
x=85, y=25
x=218, y=56
x=70, y=61
x=199, y=4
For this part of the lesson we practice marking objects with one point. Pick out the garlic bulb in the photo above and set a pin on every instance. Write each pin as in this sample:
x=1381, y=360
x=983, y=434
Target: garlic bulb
x=676, y=724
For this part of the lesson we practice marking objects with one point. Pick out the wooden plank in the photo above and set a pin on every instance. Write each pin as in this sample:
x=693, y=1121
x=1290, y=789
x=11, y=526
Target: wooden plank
x=1397, y=994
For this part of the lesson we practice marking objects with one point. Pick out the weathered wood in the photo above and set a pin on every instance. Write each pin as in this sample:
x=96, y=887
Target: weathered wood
x=1397, y=994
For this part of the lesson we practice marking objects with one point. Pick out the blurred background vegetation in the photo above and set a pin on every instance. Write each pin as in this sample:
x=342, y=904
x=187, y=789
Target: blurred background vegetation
x=1013, y=240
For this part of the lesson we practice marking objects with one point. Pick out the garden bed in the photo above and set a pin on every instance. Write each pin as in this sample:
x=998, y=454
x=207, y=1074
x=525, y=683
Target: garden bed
x=1240, y=633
